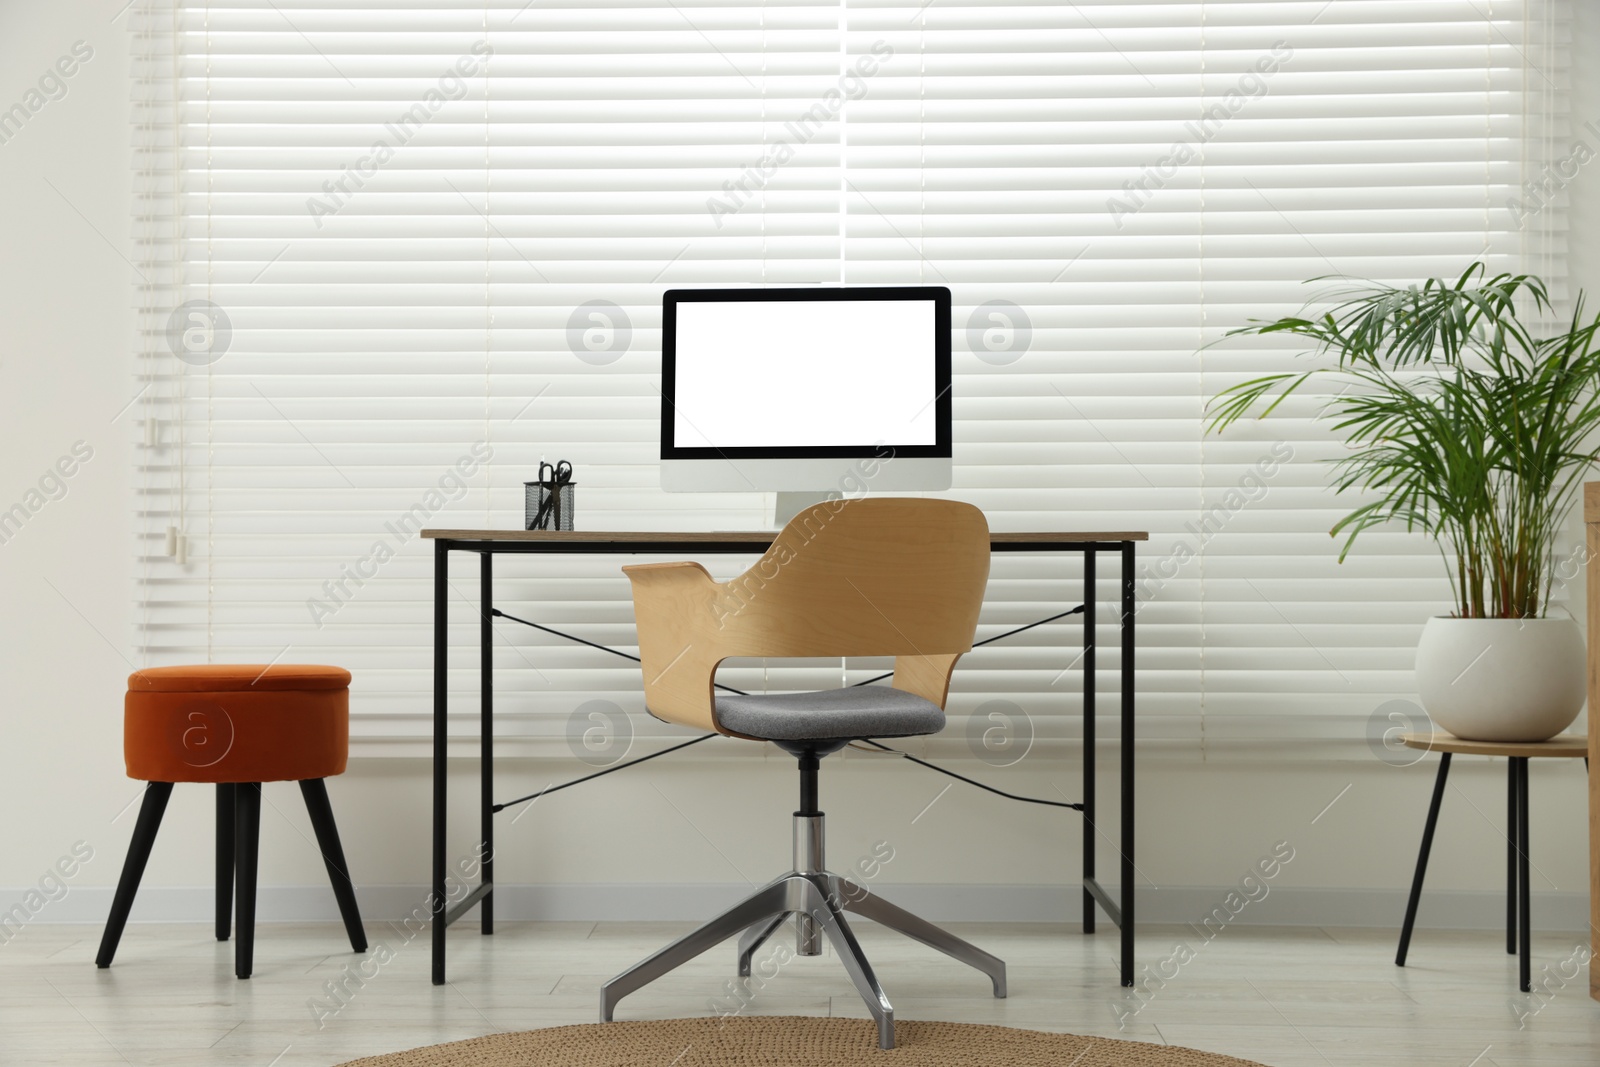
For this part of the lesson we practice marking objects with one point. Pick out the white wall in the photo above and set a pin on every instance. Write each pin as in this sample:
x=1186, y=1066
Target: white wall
x=65, y=322
x=67, y=578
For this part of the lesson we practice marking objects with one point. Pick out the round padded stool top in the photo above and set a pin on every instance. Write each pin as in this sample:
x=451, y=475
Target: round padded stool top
x=241, y=722
x=238, y=677
x=1568, y=745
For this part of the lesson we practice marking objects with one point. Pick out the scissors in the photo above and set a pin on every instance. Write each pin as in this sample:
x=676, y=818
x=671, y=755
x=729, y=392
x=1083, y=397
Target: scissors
x=552, y=479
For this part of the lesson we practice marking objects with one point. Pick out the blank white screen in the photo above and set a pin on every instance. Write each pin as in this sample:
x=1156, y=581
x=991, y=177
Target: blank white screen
x=775, y=373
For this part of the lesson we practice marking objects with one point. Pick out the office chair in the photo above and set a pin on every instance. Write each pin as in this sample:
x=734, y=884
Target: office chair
x=880, y=577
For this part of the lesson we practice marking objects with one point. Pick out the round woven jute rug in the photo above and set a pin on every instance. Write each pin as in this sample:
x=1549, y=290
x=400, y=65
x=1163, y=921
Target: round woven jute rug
x=783, y=1041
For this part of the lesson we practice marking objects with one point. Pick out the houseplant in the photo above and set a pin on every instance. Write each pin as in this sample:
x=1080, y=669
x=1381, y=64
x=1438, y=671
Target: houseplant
x=1468, y=422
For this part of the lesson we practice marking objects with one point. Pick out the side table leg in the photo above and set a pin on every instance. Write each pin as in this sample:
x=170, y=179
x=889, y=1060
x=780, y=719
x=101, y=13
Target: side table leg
x=1511, y=857
x=1422, y=860
x=1524, y=910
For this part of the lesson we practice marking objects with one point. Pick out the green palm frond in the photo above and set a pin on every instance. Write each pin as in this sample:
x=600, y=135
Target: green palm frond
x=1463, y=422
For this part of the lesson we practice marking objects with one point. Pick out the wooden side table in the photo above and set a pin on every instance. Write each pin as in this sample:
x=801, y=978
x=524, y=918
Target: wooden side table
x=1518, y=922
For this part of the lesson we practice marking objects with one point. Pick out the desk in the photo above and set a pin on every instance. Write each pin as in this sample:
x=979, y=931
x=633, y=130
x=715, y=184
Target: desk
x=490, y=543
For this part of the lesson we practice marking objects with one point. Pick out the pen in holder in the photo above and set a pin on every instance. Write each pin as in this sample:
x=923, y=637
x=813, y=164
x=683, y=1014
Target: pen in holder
x=547, y=503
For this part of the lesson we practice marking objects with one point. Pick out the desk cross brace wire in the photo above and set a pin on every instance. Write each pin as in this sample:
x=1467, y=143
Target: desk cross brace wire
x=727, y=688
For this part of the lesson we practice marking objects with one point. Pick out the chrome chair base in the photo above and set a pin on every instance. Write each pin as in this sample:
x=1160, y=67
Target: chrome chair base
x=819, y=900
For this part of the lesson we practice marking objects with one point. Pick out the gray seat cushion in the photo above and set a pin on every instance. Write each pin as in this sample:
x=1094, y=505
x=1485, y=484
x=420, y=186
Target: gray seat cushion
x=857, y=711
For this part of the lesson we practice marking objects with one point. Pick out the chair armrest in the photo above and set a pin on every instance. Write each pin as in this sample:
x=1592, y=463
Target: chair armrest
x=673, y=610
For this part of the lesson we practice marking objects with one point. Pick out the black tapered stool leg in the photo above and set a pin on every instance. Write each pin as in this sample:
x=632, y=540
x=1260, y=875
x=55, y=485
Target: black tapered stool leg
x=225, y=832
x=1524, y=908
x=153, y=807
x=1511, y=857
x=316, y=793
x=247, y=842
x=1422, y=859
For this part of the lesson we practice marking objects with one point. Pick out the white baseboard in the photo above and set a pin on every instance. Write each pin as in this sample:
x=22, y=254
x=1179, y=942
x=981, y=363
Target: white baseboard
x=1283, y=906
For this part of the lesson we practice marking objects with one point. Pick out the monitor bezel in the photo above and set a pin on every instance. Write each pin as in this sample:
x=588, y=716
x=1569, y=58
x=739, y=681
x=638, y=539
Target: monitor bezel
x=940, y=296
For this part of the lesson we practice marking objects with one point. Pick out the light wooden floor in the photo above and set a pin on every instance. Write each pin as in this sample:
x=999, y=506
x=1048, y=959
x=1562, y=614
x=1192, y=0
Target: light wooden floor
x=1296, y=997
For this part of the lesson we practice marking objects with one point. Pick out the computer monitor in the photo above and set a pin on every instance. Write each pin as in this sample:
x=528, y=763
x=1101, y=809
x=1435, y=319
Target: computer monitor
x=817, y=391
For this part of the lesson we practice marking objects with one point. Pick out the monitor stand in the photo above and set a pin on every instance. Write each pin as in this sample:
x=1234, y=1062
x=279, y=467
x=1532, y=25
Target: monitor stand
x=786, y=505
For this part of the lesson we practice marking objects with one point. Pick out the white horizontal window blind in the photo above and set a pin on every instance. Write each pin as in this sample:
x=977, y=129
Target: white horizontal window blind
x=394, y=255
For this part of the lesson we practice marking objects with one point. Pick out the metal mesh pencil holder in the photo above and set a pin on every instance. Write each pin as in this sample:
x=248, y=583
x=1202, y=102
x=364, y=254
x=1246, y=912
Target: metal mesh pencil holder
x=543, y=509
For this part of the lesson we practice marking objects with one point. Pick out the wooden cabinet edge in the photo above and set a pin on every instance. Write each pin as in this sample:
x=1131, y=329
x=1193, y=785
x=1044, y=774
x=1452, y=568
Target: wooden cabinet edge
x=1591, y=519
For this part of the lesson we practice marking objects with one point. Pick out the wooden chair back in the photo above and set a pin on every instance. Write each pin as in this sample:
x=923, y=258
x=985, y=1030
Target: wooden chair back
x=874, y=577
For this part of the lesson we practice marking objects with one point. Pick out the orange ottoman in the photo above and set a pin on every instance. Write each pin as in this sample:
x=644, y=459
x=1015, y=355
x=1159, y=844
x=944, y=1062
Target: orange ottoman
x=235, y=725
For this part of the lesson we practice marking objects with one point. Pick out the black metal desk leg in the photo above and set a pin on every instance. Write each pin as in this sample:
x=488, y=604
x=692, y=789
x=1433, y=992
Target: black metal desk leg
x=1125, y=748
x=1422, y=860
x=1090, y=832
x=486, y=729
x=441, y=726
x=1524, y=908
x=1511, y=858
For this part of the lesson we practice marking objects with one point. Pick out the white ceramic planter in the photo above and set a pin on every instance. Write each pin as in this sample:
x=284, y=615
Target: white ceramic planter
x=1501, y=679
